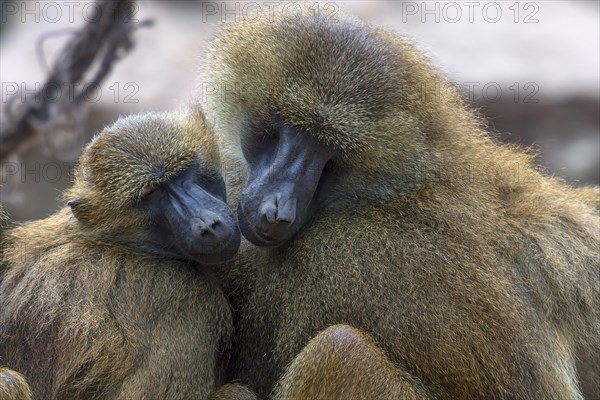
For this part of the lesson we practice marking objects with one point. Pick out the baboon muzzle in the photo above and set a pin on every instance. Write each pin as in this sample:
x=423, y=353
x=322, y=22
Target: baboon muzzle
x=277, y=199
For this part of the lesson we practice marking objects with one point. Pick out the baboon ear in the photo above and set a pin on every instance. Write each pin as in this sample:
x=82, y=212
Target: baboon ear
x=76, y=208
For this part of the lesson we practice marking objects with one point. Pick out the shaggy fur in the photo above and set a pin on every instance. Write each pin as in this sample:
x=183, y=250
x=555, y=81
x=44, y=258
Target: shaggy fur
x=13, y=386
x=4, y=226
x=591, y=194
x=472, y=270
x=83, y=314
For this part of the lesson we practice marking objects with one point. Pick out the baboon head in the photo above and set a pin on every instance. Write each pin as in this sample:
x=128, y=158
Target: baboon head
x=328, y=108
x=152, y=182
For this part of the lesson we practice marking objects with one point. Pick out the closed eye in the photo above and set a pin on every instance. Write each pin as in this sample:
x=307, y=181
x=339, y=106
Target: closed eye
x=212, y=182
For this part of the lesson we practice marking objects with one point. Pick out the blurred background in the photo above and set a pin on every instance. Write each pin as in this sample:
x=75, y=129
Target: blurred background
x=530, y=67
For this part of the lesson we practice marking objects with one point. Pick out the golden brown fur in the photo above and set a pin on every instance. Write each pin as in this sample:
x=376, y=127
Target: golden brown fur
x=3, y=228
x=342, y=363
x=83, y=313
x=233, y=392
x=591, y=195
x=13, y=386
x=472, y=270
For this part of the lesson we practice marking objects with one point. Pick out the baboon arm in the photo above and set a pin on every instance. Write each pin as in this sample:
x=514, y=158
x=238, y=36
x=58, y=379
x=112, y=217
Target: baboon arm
x=175, y=366
x=343, y=363
x=163, y=380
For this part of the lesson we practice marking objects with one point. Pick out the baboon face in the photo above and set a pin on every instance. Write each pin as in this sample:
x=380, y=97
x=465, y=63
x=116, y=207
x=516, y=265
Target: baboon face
x=190, y=218
x=152, y=182
x=287, y=173
x=312, y=109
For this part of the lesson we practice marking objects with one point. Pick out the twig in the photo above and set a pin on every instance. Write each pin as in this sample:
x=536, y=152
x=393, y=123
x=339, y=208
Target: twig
x=104, y=39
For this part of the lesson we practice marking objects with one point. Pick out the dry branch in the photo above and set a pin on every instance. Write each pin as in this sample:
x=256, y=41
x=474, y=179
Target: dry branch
x=102, y=41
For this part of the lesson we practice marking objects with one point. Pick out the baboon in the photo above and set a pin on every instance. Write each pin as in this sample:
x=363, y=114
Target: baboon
x=112, y=297
x=381, y=206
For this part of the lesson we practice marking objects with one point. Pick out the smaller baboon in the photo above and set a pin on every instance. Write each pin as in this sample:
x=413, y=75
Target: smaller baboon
x=111, y=297
x=13, y=386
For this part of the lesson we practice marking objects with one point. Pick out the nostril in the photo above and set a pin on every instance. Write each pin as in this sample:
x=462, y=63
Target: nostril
x=277, y=210
x=283, y=219
x=286, y=210
x=205, y=231
x=202, y=229
x=269, y=211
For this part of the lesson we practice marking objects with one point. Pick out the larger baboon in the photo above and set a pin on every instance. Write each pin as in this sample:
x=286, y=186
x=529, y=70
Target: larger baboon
x=111, y=297
x=380, y=202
